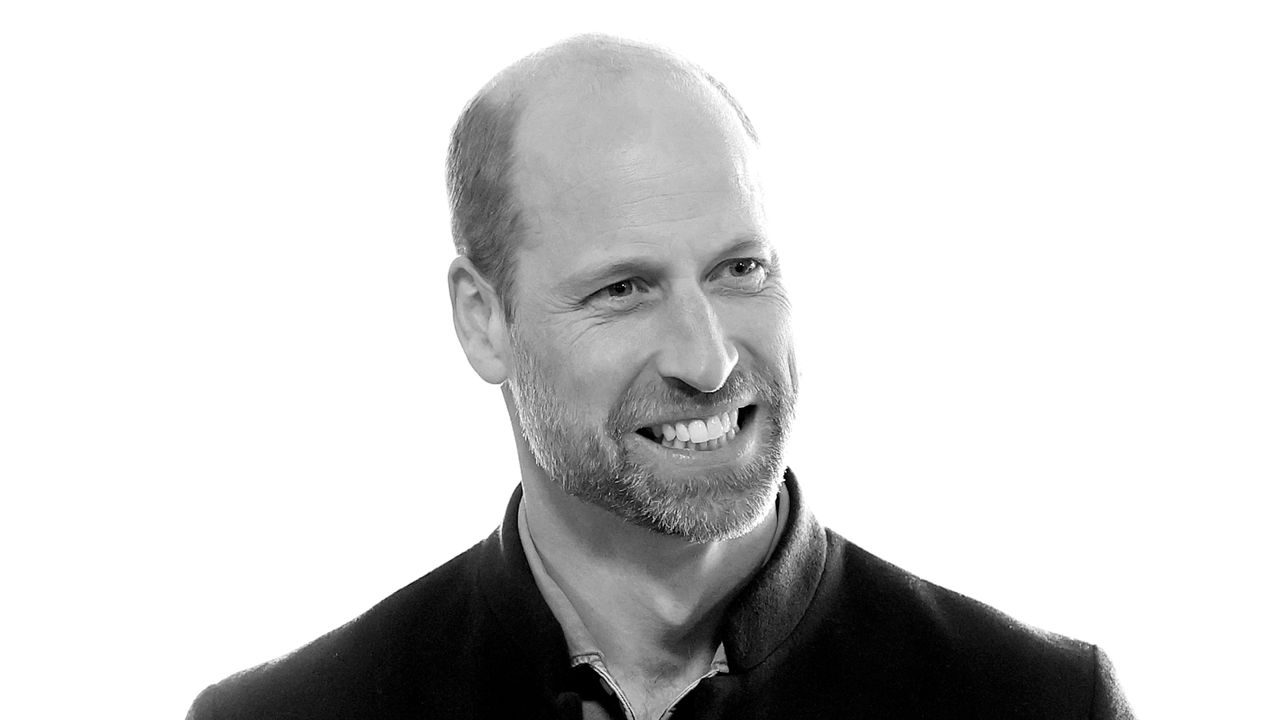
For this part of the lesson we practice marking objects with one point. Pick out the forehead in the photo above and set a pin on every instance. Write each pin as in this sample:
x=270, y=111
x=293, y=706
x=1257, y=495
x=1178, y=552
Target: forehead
x=658, y=165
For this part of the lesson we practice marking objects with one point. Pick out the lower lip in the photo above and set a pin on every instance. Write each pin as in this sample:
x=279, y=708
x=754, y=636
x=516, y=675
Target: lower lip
x=741, y=446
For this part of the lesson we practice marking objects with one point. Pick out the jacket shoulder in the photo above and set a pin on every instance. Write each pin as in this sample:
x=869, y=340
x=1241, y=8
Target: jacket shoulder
x=369, y=667
x=936, y=645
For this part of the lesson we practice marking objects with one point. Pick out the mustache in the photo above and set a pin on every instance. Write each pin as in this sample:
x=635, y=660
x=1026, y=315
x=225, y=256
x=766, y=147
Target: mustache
x=640, y=405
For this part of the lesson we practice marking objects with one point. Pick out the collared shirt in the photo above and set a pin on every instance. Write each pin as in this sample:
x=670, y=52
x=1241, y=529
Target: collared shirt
x=584, y=651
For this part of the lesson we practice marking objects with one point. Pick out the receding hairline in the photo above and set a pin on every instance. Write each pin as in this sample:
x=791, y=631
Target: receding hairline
x=591, y=64
x=486, y=217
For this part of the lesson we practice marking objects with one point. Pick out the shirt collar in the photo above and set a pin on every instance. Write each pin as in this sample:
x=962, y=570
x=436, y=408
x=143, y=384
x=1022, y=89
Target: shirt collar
x=758, y=621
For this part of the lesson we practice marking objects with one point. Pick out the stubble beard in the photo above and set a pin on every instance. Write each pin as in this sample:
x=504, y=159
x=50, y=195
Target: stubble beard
x=593, y=464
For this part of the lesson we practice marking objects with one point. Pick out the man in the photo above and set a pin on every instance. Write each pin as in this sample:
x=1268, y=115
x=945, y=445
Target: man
x=616, y=278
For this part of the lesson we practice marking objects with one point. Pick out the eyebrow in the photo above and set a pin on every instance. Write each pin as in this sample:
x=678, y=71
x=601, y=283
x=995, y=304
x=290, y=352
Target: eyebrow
x=595, y=278
x=751, y=245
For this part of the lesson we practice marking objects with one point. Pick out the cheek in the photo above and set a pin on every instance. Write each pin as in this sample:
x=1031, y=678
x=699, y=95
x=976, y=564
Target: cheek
x=781, y=353
x=591, y=375
x=763, y=327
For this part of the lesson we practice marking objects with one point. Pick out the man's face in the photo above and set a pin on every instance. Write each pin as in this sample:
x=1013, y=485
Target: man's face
x=652, y=369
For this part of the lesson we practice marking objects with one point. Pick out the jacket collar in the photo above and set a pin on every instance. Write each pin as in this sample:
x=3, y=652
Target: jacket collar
x=757, y=622
x=766, y=612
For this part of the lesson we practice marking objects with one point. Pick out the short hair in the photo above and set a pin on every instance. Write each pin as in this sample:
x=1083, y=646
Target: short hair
x=486, y=218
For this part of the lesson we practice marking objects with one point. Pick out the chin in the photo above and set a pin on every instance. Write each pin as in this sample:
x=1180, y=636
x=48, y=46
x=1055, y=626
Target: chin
x=700, y=510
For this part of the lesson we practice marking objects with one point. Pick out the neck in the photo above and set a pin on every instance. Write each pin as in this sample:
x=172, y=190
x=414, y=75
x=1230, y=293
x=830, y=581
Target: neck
x=645, y=598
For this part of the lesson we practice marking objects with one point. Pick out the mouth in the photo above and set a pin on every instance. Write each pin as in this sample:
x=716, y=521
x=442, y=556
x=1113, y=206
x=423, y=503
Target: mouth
x=711, y=432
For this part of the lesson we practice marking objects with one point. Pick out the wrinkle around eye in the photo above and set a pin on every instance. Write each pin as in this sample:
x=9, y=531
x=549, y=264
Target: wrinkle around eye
x=586, y=332
x=602, y=308
x=770, y=291
x=776, y=293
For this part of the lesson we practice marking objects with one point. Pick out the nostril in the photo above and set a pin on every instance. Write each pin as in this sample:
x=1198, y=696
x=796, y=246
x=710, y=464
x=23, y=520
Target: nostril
x=683, y=387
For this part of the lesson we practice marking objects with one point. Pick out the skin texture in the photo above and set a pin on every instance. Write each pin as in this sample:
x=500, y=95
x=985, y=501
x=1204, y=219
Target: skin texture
x=646, y=290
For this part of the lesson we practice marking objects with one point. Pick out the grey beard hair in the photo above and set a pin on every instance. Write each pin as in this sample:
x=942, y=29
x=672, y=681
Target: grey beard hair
x=593, y=465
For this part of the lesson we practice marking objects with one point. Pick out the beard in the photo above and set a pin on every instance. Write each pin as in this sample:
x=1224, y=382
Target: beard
x=592, y=463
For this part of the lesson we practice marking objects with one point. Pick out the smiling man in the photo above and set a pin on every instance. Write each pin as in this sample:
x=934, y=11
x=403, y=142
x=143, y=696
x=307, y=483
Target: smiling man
x=616, y=277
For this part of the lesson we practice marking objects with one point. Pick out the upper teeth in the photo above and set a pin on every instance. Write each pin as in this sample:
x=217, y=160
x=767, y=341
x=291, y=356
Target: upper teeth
x=699, y=430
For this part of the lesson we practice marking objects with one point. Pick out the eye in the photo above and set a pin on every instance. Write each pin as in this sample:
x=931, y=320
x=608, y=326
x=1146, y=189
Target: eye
x=620, y=289
x=624, y=294
x=747, y=274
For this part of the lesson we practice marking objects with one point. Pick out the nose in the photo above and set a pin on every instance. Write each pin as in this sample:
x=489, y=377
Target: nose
x=693, y=346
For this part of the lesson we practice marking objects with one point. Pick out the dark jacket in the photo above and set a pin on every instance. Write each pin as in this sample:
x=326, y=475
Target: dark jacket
x=826, y=630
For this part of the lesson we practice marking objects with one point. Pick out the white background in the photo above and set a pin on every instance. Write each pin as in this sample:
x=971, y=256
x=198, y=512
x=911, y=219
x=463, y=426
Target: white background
x=1032, y=248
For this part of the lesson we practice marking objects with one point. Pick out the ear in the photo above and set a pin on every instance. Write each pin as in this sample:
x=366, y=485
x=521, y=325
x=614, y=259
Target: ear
x=479, y=321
